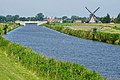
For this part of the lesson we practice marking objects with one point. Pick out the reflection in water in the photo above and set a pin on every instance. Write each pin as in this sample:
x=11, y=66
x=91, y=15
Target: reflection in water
x=97, y=56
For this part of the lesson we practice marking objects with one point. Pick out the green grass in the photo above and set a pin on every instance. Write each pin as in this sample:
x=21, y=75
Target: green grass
x=10, y=70
x=10, y=26
x=46, y=67
x=107, y=28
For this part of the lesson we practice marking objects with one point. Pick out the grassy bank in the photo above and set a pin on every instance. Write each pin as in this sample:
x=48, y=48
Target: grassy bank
x=10, y=70
x=45, y=67
x=7, y=27
x=15, y=58
x=104, y=32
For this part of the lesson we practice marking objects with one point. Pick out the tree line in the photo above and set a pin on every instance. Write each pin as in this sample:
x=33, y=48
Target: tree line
x=105, y=19
x=108, y=19
x=10, y=18
x=65, y=19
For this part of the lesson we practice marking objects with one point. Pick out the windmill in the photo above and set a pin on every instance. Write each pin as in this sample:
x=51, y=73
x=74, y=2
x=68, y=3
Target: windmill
x=93, y=18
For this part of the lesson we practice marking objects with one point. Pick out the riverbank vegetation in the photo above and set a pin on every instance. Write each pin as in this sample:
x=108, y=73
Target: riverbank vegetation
x=6, y=27
x=10, y=70
x=40, y=67
x=108, y=33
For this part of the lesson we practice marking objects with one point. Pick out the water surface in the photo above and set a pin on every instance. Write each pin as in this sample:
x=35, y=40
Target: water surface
x=96, y=56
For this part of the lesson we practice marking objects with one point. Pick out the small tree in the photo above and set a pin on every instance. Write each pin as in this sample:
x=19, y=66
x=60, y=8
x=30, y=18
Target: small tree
x=5, y=29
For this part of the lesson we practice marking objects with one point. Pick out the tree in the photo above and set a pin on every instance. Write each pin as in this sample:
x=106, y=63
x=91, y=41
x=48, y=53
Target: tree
x=2, y=18
x=9, y=18
x=103, y=19
x=75, y=18
x=117, y=20
x=39, y=16
x=69, y=21
x=16, y=17
x=107, y=18
x=22, y=19
x=64, y=17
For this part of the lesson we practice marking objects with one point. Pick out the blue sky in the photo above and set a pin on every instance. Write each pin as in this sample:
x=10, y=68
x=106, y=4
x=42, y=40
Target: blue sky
x=59, y=7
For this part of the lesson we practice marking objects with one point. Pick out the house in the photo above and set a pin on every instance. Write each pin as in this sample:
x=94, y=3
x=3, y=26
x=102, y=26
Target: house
x=52, y=19
x=77, y=21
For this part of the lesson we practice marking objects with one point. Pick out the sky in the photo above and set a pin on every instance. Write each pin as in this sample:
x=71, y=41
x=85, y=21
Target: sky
x=59, y=8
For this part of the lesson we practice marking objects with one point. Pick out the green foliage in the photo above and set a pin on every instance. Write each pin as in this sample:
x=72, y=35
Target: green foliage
x=64, y=17
x=9, y=18
x=75, y=18
x=10, y=70
x=13, y=18
x=117, y=20
x=39, y=16
x=2, y=18
x=5, y=27
x=105, y=19
x=46, y=67
x=112, y=38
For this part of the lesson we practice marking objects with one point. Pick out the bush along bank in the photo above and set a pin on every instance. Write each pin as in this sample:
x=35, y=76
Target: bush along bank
x=6, y=27
x=111, y=38
x=46, y=67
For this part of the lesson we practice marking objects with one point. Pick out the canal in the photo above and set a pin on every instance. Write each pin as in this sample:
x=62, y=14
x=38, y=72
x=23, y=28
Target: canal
x=96, y=56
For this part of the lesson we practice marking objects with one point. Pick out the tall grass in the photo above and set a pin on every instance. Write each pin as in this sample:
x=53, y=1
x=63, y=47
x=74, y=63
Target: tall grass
x=6, y=27
x=112, y=38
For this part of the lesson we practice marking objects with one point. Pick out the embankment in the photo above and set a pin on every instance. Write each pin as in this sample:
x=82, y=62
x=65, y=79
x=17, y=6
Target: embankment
x=111, y=38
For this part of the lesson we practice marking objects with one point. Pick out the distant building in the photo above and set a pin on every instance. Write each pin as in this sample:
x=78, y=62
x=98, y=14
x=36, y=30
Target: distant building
x=112, y=21
x=77, y=21
x=52, y=19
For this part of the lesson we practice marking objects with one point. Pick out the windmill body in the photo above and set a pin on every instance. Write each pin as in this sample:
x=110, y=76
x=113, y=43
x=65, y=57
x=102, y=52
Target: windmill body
x=93, y=18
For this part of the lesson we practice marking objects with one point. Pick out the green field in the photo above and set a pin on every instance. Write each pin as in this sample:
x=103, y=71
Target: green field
x=107, y=28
